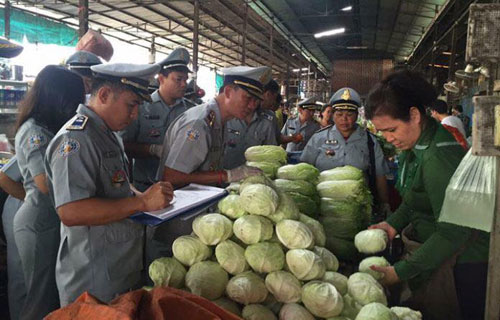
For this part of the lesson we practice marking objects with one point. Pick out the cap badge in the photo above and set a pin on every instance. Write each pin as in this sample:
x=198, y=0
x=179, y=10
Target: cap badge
x=346, y=95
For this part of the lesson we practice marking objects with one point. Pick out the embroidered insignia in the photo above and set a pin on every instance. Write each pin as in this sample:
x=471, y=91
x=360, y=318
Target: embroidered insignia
x=346, y=95
x=210, y=119
x=154, y=133
x=192, y=134
x=68, y=147
x=330, y=152
x=231, y=143
x=334, y=142
x=78, y=123
x=118, y=178
x=36, y=140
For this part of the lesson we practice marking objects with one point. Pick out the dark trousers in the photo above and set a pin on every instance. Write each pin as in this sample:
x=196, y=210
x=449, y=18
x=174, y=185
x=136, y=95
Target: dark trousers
x=470, y=283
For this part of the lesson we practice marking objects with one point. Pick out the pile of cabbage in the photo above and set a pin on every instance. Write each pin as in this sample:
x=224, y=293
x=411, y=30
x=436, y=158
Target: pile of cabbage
x=345, y=208
x=268, y=158
x=299, y=182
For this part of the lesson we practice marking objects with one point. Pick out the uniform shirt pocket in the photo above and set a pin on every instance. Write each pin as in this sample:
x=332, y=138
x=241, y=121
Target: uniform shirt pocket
x=123, y=248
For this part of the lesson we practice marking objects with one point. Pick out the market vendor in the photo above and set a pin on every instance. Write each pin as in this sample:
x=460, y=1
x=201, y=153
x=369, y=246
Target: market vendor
x=298, y=130
x=100, y=249
x=345, y=143
x=446, y=267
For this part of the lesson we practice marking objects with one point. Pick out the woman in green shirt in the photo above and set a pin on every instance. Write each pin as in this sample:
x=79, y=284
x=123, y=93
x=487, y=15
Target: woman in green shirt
x=446, y=264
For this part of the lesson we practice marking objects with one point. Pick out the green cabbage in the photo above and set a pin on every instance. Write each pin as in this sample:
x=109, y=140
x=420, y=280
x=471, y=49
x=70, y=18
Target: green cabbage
x=305, y=204
x=376, y=311
x=272, y=304
x=406, y=313
x=231, y=257
x=300, y=171
x=167, y=272
x=294, y=234
x=322, y=299
x=343, y=190
x=228, y=305
x=305, y=264
x=258, y=179
x=252, y=229
x=266, y=153
x=300, y=186
x=233, y=188
x=371, y=241
x=331, y=207
x=284, y=286
x=330, y=260
x=344, y=227
x=287, y=209
x=338, y=280
x=365, y=289
x=341, y=173
x=364, y=266
x=268, y=167
x=351, y=307
x=341, y=248
x=190, y=250
x=231, y=206
x=265, y=257
x=257, y=312
x=207, y=279
x=246, y=288
x=259, y=199
x=212, y=228
x=294, y=311
x=316, y=228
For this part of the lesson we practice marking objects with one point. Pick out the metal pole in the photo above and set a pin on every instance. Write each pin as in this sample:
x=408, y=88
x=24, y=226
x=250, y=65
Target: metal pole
x=287, y=80
x=83, y=17
x=451, y=70
x=271, y=44
x=7, y=19
x=244, y=44
x=195, y=38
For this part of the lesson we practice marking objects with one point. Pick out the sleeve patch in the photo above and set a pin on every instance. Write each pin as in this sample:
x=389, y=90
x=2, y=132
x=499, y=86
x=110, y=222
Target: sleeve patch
x=68, y=147
x=36, y=140
x=192, y=134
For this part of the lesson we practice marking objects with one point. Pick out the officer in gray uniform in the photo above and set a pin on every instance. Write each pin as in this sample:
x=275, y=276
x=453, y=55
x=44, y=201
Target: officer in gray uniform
x=269, y=106
x=345, y=143
x=80, y=62
x=300, y=129
x=11, y=182
x=144, y=137
x=100, y=249
x=259, y=129
x=193, y=145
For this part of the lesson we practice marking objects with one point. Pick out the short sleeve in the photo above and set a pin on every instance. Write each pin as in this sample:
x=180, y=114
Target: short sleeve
x=381, y=166
x=33, y=146
x=189, y=147
x=310, y=152
x=284, y=130
x=11, y=170
x=271, y=138
x=74, y=168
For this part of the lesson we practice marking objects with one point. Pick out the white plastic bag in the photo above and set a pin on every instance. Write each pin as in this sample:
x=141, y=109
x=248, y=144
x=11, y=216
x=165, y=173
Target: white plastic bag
x=470, y=195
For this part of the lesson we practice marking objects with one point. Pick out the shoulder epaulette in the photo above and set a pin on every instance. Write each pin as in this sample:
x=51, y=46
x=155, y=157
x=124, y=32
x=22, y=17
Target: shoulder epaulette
x=210, y=119
x=78, y=123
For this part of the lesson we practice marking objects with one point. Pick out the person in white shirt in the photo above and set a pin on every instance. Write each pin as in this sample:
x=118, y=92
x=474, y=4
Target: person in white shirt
x=439, y=111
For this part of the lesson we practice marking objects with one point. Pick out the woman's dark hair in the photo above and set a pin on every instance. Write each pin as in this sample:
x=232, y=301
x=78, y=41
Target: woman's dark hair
x=398, y=93
x=323, y=108
x=53, y=99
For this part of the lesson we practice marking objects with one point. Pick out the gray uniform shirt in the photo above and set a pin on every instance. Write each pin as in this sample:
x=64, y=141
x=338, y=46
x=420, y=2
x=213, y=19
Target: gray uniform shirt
x=194, y=142
x=149, y=128
x=239, y=136
x=11, y=170
x=328, y=149
x=31, y=142
x=293, y=126
x=89, y=162
x=277, y=128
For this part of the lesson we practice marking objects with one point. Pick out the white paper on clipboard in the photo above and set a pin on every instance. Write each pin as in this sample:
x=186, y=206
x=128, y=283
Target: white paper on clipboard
x=187, y=198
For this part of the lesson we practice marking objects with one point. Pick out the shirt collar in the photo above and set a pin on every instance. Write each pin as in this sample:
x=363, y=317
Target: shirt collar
x=426, y=135
x=156, y=97
x=99, y=122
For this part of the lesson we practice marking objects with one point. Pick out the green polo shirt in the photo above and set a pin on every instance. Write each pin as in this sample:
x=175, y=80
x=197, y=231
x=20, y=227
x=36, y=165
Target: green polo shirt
x=425, y=172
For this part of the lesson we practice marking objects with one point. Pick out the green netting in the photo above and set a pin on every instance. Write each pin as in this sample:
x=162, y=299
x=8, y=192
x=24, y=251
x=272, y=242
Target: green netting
x=219, y=81
x=37, y=29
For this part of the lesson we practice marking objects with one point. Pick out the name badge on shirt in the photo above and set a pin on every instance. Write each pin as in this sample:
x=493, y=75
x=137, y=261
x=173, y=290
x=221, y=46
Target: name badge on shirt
x=291, y=128
x=152, y=116
x=332, y=142
x=236, y=132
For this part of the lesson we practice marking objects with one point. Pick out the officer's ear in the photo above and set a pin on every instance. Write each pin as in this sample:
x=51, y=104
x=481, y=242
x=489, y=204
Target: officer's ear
x=104, y=94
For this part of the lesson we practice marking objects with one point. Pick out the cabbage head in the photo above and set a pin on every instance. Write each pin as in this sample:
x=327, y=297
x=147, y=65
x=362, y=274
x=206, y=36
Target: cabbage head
x=228, y=305
x=294, y=234
x=190, y=250
x=406, y=313
x=305, y=264
x=272, y=304
x=322, y=299
x=330, y=260
x=306, y=204
x=300, y=186
x=331, y=207
x=231, y=207
x=207, y=279
x=266, y=153
x=376, y=311
x=246, y=288
x=300, y=171
x=252, y=229
x=342, y=190
x=212, y=228
x=265, y=257
x=351, y=307
x=344, y=227
x=231, y=257
x=233, y=188
x=365, y=289
x=341, y=173
x=338, y=280
x=371, y=241
x=287, y=209
x=342, y=248
x=364, y=266
x=268, y=167
x=259, y=199
x=257, y=312
x=258, y=179
x=294, y=311
x=316, y=228
x=167, y=272
x=284, y=286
